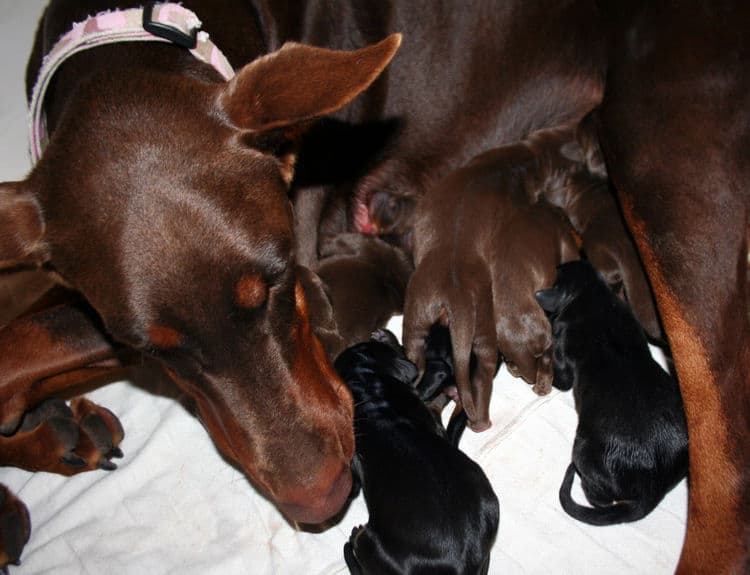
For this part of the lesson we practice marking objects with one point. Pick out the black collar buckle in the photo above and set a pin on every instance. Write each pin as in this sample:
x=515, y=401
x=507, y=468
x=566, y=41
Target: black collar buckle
x=174, y=35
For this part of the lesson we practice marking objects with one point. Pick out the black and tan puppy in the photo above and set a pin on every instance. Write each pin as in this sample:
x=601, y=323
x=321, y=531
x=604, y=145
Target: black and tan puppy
x=431, y=508
x=631, y=443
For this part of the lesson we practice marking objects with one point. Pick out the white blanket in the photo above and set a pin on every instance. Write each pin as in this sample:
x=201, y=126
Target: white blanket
x=174, y=506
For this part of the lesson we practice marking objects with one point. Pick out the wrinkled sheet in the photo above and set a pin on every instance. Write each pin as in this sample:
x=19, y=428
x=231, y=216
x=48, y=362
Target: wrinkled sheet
x=175, y=506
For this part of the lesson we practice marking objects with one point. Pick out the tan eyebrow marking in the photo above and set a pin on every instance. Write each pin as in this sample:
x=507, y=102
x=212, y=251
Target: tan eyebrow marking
x=164, y=337
x=251, y=291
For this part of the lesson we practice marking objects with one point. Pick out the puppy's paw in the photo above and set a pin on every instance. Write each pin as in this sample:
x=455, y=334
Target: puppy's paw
x=385, y=336
x=357, y=530
x=15, y=528
x=542, y=388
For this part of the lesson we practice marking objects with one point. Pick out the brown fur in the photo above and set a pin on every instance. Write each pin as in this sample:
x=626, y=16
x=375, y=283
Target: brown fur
x=673, y=130
x=571, y=175
x=480, y=216
x=162, y=189
x=529, y=248
x=683, y=189
x=365, y=279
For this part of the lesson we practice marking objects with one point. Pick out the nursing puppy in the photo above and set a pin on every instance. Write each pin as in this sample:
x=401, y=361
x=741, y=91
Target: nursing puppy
x=528, y=249
x=631, y=443
x=365, y=279
x=569, y=172
x=406, y=467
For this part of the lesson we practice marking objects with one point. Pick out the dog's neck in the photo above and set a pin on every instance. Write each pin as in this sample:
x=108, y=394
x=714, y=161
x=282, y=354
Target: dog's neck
x=165, y=22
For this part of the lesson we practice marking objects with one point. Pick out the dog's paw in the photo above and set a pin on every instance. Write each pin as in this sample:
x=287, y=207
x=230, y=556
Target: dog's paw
x=15, y=528
x=66, y=439
x=541, y=388
x=101, y=429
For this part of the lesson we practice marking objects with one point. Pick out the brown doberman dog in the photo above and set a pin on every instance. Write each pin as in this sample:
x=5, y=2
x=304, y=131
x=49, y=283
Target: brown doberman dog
x=672, y=123
x=162, y=198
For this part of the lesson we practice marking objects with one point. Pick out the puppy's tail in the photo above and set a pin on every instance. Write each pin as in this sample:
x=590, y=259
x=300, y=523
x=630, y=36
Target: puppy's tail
x=456, y=427
x=620, y=512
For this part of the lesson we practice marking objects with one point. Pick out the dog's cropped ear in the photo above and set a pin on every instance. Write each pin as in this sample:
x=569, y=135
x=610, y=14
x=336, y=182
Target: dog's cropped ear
x=548, y=299
x=298, y=83
x=21, y=227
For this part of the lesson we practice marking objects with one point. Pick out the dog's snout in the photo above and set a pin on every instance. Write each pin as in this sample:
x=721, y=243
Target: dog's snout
x=324, y=499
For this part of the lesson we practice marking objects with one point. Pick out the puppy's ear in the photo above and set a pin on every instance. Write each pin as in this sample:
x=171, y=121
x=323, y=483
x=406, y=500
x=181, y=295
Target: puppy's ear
x=407, y=371
x=299, y=83
x=548, y=299
x=21, y=227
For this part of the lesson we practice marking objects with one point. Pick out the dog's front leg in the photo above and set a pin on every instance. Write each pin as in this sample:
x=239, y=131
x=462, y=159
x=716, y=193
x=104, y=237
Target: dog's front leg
x=44, y=355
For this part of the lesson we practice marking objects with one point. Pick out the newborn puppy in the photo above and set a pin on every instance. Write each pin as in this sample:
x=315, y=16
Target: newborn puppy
x=431, y=508
x=365, y=279
x=482, y=248
x=535, y=240
x=582, y=189
x=631, y=443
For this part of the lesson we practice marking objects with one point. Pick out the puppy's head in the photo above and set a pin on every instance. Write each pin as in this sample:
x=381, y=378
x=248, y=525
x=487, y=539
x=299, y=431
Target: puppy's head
x=573, y=278
x=164, y=200
x=382, y=357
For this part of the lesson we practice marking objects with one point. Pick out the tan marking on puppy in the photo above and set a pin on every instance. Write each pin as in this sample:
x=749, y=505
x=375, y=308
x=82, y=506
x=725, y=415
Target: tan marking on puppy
x=251, y=291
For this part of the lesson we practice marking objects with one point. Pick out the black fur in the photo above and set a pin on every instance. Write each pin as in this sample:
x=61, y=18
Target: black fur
x=631, y=442
x=431, y=509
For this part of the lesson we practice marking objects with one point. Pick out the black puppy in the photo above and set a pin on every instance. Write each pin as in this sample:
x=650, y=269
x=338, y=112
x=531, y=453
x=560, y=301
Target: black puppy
x=431, y=508
x=631, y=442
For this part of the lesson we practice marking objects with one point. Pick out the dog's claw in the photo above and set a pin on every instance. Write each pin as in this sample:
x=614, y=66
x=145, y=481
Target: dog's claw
x=107, y=465
x=115, y=452
x=73, y=460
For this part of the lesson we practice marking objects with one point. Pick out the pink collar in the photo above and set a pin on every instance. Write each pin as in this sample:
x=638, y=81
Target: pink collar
x=164, y=22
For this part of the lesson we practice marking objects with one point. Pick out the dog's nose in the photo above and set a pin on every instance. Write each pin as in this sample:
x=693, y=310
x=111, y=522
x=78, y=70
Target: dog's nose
x=326, y=499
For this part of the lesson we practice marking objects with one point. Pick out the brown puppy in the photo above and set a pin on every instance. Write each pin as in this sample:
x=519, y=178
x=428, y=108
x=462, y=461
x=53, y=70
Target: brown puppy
x=162, y=197
x=365, y=279
x=584, y=192
x=564, y=166
x=531, y=245
x=481, y=252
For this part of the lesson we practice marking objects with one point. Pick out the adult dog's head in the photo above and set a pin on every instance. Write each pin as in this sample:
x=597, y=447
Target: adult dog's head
x=162, y=198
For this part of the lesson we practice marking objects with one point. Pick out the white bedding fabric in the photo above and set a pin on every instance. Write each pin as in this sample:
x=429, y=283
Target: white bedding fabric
x=174, y=506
